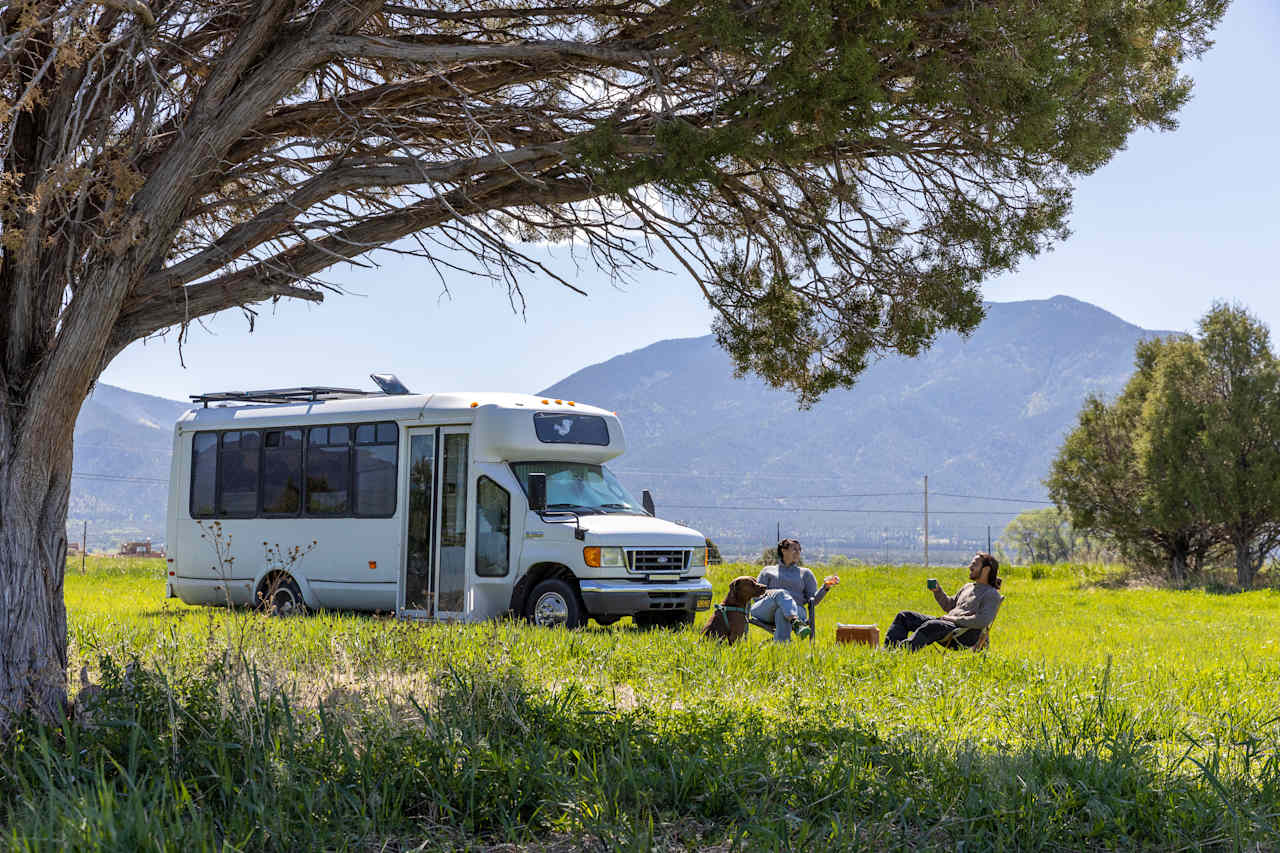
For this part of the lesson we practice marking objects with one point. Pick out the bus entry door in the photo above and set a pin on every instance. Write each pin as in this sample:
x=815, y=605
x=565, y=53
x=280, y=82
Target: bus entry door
x=433, y=577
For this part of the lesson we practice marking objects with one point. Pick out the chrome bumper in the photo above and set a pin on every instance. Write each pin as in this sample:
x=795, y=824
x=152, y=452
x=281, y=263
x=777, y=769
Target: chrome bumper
x=626, y=598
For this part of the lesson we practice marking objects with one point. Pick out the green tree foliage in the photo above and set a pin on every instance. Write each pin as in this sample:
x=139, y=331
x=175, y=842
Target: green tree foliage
x=1047, y=536
x=1185, y=463
x=1211, y=443
x=1097, y=478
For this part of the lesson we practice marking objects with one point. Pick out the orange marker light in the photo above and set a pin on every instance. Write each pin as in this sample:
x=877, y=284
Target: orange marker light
x=373, y=564
x=570, y=402
x=557, y=402
x=473, y=405
x=545, y=402
x=591, y=556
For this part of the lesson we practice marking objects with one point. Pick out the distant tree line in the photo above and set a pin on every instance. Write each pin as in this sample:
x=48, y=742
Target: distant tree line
x=1182, y=469
x=1048, y=536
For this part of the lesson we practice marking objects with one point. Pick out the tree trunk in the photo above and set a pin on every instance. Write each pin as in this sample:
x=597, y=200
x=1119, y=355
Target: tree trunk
x=1178, y=567
x=1245, y=571
x=35, y=484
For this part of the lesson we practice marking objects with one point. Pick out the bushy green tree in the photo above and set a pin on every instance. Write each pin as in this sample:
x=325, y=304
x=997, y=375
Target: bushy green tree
x=1098, y=479
x=1185, y=463
x=1210, y=445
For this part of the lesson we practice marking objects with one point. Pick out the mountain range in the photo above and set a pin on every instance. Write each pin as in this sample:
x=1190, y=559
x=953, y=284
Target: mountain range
x=980, y=416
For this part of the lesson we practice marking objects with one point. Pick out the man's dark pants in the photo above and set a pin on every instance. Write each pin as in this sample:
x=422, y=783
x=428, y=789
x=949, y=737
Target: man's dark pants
x=928, y=630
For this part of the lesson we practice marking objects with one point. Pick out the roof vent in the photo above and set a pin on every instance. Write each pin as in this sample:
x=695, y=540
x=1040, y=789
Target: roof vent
x=389, y=384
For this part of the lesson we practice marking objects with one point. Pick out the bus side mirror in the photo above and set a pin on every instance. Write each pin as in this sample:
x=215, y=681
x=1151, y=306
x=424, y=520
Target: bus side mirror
x=646, y=500
x=537, y=492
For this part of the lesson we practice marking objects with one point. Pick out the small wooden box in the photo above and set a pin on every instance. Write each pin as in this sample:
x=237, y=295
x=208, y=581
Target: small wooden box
x=868, y=635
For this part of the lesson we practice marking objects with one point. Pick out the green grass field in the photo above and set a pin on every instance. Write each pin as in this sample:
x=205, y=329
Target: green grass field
x=1099, y=719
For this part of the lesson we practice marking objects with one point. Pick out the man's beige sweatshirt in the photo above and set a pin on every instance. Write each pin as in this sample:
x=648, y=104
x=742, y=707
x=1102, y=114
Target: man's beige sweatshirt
x=974, y=606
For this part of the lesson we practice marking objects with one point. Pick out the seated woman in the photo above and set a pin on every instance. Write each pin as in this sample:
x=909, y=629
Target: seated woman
x=790, y=587
x=974, y=606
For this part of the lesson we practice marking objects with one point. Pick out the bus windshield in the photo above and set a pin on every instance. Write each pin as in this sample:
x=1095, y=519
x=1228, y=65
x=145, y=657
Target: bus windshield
x=580, y=487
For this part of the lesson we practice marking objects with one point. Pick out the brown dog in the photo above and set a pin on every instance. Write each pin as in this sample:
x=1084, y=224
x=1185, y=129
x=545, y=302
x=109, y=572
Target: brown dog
x=729, y=620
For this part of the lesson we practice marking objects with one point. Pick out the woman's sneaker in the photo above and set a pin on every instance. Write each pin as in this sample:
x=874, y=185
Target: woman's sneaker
x=801, y=629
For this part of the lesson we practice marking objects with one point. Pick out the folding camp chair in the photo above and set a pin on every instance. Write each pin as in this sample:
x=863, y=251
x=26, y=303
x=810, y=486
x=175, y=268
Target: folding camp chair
x=809, y=607
x=960, y=639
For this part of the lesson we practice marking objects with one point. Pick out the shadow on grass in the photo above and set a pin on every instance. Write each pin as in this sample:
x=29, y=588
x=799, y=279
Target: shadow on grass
x=489, y=758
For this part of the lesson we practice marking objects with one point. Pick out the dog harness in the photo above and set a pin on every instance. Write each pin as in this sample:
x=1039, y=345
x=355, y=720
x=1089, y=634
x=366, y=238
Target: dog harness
x=723, y=609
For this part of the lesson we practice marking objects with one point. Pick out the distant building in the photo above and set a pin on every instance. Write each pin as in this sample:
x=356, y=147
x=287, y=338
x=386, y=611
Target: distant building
x=140, y=549
x=73, y=547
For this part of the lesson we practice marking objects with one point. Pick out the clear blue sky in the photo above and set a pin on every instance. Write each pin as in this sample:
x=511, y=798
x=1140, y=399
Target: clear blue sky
x=1171, y=224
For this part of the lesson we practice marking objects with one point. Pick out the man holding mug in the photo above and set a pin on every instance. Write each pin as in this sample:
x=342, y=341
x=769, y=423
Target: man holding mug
x=974, y=606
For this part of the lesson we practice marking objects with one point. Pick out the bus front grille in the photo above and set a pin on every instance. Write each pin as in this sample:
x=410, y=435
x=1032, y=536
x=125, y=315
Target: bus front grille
x=645, y=561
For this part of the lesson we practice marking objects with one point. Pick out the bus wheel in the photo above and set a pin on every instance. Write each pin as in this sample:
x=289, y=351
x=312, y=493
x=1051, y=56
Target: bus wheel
x=283, y=597
x=553, y=604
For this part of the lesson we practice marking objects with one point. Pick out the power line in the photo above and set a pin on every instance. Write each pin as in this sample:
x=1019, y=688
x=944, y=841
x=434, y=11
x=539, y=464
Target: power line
x=990, y=498
x=161, y=446
x=838, y=509
x=743, y=474
x=117, y=478
x=752, y=475
x=845, y=495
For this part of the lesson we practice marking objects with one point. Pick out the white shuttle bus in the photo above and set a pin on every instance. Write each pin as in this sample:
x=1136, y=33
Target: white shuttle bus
x=435, y=506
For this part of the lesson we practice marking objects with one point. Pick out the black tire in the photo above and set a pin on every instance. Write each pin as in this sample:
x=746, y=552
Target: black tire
x=283, y=597
x=605, y=621
x=554, y=604
x=667, y=619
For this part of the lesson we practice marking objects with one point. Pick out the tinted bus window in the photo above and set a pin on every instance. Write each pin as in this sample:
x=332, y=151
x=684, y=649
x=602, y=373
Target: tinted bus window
x=204, y=474
x=282, y=472
x=238, y=473
x=376, y=469
x=328, y=470
x=493, y=529
x=557, y=428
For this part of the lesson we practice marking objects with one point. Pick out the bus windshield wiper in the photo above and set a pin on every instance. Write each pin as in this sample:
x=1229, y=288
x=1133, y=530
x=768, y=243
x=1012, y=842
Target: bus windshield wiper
x=581, y=508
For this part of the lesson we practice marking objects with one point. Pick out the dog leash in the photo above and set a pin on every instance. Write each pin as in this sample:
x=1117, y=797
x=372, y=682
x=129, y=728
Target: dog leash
x=723, y=609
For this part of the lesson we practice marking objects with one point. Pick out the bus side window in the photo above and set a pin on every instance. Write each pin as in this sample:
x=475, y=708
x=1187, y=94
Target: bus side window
x=238, y=473
x=204, y=474
x=376, y=469
x=328, y=470
x=493, y=529
x=282, y=472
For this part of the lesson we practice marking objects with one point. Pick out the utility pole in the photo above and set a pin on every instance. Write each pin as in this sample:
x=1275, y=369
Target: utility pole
x=988, y=538
x=84, y=544
x=926, y=521
x=778, y=538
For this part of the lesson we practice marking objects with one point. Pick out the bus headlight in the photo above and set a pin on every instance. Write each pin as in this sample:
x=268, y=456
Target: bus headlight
x=602, y=558
x=698, y=558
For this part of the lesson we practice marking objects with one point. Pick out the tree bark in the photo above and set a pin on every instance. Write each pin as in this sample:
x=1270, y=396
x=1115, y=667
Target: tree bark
x=33, y=548
x=1245, y=571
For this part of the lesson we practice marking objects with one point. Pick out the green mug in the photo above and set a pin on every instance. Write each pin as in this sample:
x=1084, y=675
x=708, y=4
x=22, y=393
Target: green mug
x=933, y=583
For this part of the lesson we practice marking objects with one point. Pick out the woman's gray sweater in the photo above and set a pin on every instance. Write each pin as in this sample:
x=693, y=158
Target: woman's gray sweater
x=798, y=581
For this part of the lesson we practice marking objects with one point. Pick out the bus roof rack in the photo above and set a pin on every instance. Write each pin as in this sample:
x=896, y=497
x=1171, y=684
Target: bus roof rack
x=309, y=394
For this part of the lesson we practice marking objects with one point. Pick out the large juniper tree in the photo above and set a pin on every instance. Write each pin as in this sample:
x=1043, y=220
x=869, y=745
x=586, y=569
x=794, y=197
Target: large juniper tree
x=836, y=176
x=1211, y=435
x=1101, y=476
